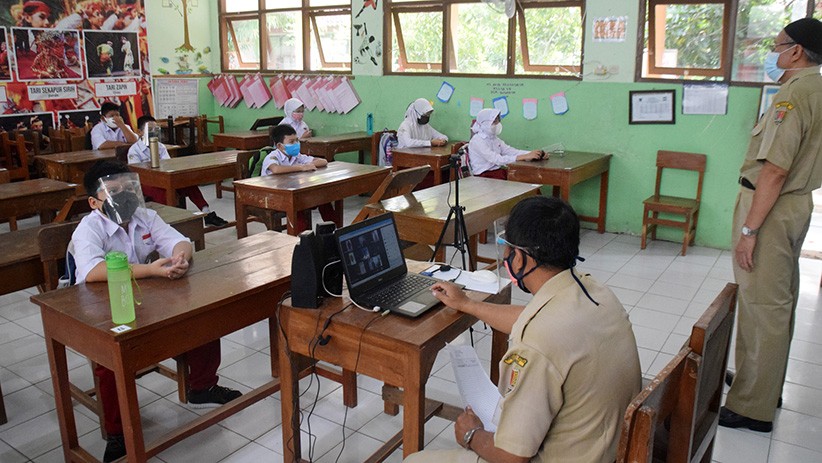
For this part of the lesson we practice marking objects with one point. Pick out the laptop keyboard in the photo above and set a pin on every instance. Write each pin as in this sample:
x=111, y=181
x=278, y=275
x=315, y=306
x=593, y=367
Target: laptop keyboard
x=400, y=290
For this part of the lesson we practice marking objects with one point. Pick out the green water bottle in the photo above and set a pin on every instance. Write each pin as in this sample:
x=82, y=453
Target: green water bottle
x=119, y=288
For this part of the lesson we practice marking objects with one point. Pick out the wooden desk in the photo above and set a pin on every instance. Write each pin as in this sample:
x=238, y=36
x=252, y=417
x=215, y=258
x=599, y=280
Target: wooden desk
x=186, y=171
x=244, y=141
x=298, y=192
x=43, y=195
x=421, y=215
x=328, y=146
x=437, y=157
x=227, y=288
x=564, y=172
x=72, y=166
x=20, y=265
x=397, y=350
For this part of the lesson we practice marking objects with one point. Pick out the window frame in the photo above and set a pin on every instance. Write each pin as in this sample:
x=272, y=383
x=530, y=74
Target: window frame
x=309, y=15
x=646, y=8
x=516, y=26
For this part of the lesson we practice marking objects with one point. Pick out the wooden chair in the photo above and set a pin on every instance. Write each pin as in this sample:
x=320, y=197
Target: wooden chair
x=272, y=219
x=121, y=153
x=686, y=207
x=16, y=155
x=53, y=242
x=266, y=122
x=203, y=143
x=398, y=183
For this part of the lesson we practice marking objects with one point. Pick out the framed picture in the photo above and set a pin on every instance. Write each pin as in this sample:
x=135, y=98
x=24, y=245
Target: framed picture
x=652, y=107
x=46, y=55
x=112, y=54
x=765, y=99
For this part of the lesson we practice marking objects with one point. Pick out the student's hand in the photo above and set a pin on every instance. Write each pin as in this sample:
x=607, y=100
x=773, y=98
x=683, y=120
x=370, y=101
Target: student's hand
x=529, y=156
x=439, y=142
x=467, y=421
x=450, y=294
x=307, y=134
x=308, y=167
x=118, y=121
x=179, y=266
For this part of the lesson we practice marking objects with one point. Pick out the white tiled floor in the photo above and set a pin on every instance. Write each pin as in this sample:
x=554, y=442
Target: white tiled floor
x=663, y=293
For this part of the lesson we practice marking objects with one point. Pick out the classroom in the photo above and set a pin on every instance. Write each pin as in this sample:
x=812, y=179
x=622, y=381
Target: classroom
x=267, y=173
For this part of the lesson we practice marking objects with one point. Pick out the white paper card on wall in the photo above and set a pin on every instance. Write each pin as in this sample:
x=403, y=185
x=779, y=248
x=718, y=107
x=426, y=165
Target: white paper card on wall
x=106, y=89
x=501, y=104
x=178, y=97
x=705, y=99
x=559, y=103
x=445, y=93
x=529, y=108
x=52, y=92
x=475, y=106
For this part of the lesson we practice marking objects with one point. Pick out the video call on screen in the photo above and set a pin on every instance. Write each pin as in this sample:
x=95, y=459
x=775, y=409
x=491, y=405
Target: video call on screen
x=371, y=252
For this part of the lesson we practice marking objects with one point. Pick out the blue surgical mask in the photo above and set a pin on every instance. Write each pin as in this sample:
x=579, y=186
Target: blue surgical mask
x=292, y=149
x=771, y=68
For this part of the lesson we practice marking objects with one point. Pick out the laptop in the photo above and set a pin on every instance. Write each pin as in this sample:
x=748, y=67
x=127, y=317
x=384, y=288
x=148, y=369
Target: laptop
x=375, y=268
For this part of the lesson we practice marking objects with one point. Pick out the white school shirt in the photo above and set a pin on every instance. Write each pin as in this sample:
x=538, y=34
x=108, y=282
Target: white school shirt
x=299, y=127
x=102, y=133
x=412, y=134
x=97, y=235
x=488, y=152
x=139, y=152
x=278, y=158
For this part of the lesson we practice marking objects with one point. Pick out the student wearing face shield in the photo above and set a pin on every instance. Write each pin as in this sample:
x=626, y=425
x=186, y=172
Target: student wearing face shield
x=416, y=130
x=120, y=222
x=112, y=131
x=294, y=112
x=488, y=154
x=572, y=365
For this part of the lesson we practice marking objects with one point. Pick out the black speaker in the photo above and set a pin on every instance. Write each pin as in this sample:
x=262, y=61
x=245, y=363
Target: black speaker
x=324, y=233
x=305, y=272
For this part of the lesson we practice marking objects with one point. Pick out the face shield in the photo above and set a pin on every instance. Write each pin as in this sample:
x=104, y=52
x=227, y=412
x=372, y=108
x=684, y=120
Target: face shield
x=121, y=195
x=150, y=130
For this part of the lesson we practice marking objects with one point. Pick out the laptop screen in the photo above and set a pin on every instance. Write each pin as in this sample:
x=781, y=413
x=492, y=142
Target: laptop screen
x=370, y=249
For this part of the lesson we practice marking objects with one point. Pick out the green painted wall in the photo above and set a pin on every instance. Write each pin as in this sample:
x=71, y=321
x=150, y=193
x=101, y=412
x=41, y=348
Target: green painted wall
x=597, y=121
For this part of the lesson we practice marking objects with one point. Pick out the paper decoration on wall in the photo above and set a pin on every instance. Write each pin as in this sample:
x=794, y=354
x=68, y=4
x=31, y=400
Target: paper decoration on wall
x=445, y=93
x=559, y=103
x=529, y=108
x=475, y=106
x=279, y=91
x=705, y=99
x=254, y=91
x=610, y=29
x=501, y=104
x=226, y=90
x=323, y=93
x=369, y=49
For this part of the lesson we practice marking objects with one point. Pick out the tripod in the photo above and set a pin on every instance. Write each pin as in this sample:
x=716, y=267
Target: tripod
x=460, y=242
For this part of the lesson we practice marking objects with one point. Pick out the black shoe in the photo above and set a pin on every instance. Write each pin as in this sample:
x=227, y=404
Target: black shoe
x=212, y=397
x=214, y=220
x=729, y=379
x=115, y=448
x=730, y=419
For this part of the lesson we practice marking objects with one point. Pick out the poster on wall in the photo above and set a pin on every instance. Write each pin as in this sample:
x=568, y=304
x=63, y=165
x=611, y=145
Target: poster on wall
x=46, y=55
x=366, y=40
x=40, y=122
x=43, y=46
x=77, y=118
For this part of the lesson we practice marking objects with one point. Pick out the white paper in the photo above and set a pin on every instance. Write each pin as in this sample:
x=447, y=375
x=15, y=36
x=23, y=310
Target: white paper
x=475, y=106
x=465, y=278
x=529, y=108
x=501, y=104
x=474, y=385
x=705, y=99
x=559, y=103
x=445, y=93
x=652, y=107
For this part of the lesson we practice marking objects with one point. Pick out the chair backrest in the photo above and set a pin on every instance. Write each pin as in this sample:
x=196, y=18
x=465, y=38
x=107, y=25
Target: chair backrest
x=266, y=122
x=4, y=176
x=683, y=161
x=398, y=183
x=710, y=339
x=53, y=242
x=203, y=143
x=121, y=153
x=243, y=169
x=16, y=156
x=170, y=130
x=660, y=400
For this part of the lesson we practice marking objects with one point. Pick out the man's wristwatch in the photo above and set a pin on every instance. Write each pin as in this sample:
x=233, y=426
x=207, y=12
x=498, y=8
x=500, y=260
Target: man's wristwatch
x=748, y=231
x=469, y=435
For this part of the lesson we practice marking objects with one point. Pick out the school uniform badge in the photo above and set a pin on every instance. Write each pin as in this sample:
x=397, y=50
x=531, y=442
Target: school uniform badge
x=781, y=110
x=515, y=358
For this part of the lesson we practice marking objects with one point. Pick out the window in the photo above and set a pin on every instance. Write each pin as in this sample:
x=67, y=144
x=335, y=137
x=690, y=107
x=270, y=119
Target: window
x=476, y=38
x=297, y=35
x=692, y=40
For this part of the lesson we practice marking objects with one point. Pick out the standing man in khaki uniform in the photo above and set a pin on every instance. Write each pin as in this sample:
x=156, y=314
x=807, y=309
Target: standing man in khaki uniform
x=782, y=167
x=572, y=365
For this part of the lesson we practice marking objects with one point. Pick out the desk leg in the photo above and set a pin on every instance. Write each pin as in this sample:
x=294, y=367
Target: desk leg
x=242, y=218
x=290, y=403
x=338, y=213
x=46, y=216
x=437, y=175
x=130, y=412
x=274, y=346
x=499, y=346
x=171, y=197
x=62, y=396
x=360, y=157
x=603, y=201
x=413, y=413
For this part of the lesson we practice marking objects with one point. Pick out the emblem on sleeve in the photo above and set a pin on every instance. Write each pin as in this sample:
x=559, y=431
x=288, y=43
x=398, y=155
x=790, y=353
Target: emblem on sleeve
x=512, y=380
x=515, y=358
x=781, y=110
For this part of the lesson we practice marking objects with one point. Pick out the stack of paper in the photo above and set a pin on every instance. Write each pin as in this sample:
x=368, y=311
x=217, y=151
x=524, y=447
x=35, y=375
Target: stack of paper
x=254, y=91
x=279, y=91
x=226, y=90
x=474, y=385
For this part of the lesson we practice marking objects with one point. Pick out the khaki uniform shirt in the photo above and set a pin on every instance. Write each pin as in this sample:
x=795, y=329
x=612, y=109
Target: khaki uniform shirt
x=568, y=376
x=789, y=135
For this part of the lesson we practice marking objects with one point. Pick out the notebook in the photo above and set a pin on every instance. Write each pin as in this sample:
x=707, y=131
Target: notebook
x=375, y=268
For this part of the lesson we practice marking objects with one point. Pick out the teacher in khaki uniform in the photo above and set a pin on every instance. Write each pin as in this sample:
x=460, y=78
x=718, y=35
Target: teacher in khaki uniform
x=782, y=167
x=572, y=365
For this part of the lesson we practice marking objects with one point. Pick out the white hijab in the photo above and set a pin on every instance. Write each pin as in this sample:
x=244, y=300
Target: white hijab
x=416, y=109
x=485, y=118
x=292, y=105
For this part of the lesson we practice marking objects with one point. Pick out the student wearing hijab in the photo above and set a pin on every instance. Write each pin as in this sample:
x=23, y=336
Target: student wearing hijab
x=415, y=129
x=294, y=110
x=488, y=154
